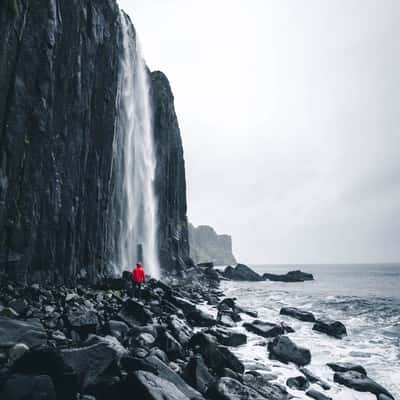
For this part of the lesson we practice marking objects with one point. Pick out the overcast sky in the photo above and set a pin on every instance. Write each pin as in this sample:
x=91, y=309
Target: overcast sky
x=290, y=117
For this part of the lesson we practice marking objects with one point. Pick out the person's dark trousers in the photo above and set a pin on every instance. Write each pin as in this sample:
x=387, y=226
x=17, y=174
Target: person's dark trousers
x=138, y=290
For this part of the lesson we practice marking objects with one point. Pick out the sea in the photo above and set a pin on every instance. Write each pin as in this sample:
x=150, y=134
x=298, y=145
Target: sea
x=365, y=297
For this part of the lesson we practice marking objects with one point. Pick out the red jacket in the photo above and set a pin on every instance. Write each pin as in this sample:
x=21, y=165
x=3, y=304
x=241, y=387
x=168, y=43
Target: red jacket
x=138, y=274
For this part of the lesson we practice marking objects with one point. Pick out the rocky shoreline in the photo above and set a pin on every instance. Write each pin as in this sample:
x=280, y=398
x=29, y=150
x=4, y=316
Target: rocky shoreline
x=175, y=343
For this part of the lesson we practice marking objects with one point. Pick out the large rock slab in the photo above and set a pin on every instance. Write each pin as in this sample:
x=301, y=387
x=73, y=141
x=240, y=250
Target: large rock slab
x=242, y=273
x=264, y=329
x=137, y=311
x=285, y=350
x=13, y=331
x=228, y=337
x=91, y=361
x=231, y=389
x=298, y=314
x=360, y=382
x=144, y=385
x=330, y=327
x=165, y=372
x=216, y=357
x=170, y=345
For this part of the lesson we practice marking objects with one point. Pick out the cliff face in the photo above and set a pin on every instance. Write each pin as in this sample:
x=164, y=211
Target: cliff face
x=59, y=64
x=170, y=177
x=207, y=246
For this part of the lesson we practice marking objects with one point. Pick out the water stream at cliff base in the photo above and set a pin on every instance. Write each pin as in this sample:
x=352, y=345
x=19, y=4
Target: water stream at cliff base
x=135, y=200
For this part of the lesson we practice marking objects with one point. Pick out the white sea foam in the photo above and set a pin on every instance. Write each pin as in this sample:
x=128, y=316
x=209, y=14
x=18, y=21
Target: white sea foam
x=366, y=344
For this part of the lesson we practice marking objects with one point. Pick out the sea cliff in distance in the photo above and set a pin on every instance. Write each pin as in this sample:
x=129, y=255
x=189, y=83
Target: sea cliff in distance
x=206, y=245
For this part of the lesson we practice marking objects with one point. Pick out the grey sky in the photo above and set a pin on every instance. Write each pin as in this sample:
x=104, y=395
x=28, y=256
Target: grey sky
x=290, y=117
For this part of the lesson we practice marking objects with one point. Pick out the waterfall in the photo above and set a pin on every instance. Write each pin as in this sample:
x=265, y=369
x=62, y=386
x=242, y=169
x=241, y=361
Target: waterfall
x=134, y=163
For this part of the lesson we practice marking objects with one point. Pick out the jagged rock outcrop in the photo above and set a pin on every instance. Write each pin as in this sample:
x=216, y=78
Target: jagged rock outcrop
x=59, y=65
x=206, y=245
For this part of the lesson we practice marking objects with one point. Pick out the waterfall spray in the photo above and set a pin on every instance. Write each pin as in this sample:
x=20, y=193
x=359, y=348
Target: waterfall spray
x=134, y=161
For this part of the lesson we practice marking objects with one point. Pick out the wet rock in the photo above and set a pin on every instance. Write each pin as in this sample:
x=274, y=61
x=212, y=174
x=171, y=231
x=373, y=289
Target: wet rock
x=165, y=372
x=287, y=328
x=228, y=303
x=241, y=273
x=383, y=397
x=230, y=374
x=360, y=382
x=137, y=310
x=231, y=389
x=21, y=306
x=30, y=332
x=228, y=319
x=317, y=395
x=71, y=296
x=330, y=327
x=144, y=339
x=17, y=352
x=230, y=360
x=170, y=345
x=147, y=386
x=82, y=320
x=298, y=382
x=314, y=378
x=228, y=337
x=48, y=361
x=58, y=336
x=346, y=366
x=185, y=305
x=197, y=374
x=216, y=357
x=201, y=318
x=155, y=351
x=206, y=265
x=131, y=364
x=285, y=350
x=261, y=383
x=118, y=329
x=291, y=276
x=32, y=387
x=298, y=314
x=8, y=312
x=91, y=361
x=264, y=329
x=212, y=274
x=244, y=310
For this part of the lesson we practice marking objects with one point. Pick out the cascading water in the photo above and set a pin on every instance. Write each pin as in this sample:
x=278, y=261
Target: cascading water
x=134, y=202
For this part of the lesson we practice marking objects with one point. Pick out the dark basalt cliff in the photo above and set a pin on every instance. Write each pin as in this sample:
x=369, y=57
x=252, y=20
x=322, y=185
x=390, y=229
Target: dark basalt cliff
x=170, y=182
x=207, y=246
x=59, y=65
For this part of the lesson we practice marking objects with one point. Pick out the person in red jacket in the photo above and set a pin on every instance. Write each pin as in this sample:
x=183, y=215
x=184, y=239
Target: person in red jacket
x=138, y=277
